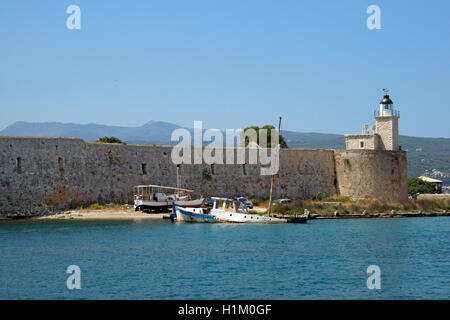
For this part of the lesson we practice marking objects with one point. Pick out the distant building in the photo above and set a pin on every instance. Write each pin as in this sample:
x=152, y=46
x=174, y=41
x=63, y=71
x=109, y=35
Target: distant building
x=437, y=183
x=385, y=136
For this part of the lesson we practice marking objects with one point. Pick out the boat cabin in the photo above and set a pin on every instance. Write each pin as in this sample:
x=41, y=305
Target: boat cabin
x=157, y=198
x=159, y=193
x=229, y=205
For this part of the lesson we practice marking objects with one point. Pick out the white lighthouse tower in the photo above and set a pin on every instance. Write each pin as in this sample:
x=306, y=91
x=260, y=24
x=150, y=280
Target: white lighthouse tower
x=387, y=124
x=385, y=135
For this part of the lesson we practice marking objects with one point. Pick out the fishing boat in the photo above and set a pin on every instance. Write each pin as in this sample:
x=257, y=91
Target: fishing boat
x=181, y=214
x=228, y=211
x=150, y=198
x=231, y=211
x=234, y=211
x=300, y=219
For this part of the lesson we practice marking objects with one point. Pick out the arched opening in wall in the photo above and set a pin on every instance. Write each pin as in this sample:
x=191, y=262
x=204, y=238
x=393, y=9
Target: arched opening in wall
x=110, y=155
x=19, y=164
x=335, y=182
x=60, y=164
x=212, y=169
x=144, y=168
x=244, y=170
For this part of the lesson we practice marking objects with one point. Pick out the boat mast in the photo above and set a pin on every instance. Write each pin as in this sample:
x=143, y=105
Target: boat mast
x=178, y=182
x=273, y=174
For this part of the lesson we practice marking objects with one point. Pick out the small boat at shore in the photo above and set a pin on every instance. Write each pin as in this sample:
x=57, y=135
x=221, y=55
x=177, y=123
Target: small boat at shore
x=181, y=214
x=235, y=211
x=232, y=211
x=148, y=198
x=300, y=219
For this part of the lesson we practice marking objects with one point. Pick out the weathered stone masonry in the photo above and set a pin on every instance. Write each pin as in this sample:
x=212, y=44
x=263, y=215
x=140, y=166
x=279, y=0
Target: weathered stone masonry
x=45, y=174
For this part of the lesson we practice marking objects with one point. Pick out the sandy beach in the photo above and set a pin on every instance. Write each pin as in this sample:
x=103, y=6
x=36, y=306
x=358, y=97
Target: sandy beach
x=117, y=212
x=123, y=213
x=104, y=214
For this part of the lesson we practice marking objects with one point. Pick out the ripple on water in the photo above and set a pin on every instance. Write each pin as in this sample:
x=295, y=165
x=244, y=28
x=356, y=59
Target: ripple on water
x=161, y=260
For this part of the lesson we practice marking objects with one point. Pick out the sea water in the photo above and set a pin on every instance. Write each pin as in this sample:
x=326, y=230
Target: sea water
x=324, y=259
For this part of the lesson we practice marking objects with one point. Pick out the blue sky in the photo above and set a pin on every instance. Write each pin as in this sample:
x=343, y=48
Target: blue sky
x=228, y=63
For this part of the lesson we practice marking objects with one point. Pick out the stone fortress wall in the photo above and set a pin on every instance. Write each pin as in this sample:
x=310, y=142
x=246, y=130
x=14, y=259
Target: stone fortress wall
x=38, y=175
x=363, y=141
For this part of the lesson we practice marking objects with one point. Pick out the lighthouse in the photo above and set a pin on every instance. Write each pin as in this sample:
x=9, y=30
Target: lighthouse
x=387, y=124
x=384, y=135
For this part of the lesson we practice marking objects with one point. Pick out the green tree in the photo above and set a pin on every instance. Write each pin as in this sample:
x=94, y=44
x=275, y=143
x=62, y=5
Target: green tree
x=110, y=140
x=416, y=185
x=269, y=129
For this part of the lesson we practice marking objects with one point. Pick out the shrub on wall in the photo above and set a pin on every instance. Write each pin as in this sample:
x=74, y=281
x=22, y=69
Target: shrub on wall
x=319, y=196
x=110, y=140
x=207, y=175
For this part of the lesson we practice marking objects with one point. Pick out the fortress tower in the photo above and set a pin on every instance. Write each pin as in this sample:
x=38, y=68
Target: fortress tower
x=385, y=135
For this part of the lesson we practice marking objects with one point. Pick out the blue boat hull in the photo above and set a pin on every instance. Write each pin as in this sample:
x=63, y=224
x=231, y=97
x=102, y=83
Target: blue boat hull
x=183, y=215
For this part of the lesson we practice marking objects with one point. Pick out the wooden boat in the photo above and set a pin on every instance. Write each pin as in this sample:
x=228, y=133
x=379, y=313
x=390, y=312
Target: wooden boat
x=192, y=215
x=150, y=198
x=237, y=212
x=301, y=219
x=230, y=211
x=225, y=215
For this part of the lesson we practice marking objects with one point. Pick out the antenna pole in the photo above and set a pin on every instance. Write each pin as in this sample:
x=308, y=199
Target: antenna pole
x=273, y=174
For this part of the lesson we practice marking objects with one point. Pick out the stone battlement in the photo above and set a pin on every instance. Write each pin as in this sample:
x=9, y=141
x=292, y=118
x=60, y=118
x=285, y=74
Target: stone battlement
x=47, y=174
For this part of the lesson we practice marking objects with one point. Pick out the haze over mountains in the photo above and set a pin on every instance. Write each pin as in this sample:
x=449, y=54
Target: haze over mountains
x=423, y=153
x=153, y=132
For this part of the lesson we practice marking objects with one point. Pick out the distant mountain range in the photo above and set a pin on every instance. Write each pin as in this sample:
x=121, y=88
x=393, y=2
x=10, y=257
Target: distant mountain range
x=153, y=132
x=430, y=156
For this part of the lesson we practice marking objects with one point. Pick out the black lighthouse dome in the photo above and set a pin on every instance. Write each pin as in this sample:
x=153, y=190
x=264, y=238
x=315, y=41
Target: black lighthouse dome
x=386, y=100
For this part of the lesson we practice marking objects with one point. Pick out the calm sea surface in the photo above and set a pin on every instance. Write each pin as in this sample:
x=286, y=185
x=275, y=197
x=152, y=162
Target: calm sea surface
x=324, y=259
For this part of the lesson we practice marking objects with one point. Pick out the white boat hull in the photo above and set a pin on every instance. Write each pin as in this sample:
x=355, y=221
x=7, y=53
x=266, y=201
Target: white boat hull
x=166, y=204
x=192, y=215
x=217, y=215
x=238, y=217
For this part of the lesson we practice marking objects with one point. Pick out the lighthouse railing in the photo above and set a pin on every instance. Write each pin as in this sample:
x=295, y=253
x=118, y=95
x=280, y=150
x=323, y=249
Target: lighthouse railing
x=395, y=113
